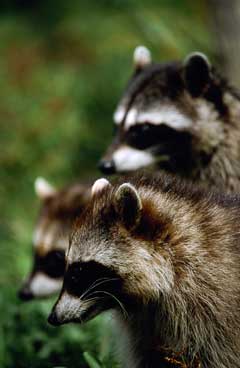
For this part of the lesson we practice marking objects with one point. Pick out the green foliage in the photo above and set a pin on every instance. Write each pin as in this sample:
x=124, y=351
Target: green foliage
x=63, y=66
x=90, y=360
x=26, y=339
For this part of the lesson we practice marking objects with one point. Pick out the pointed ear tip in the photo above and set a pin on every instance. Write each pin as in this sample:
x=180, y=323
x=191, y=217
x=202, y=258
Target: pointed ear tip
x=43, y=188
x=39, y=182
x=197, y=55
x=142, y=56
x=126, y=188
x=39, y=179
x=99, y=185
x=101, y=180
x=141, y=48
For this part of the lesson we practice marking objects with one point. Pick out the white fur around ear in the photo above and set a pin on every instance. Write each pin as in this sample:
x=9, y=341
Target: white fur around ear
x=197, y=55
x=141, y=57
x=99, y=185
x=43, y=189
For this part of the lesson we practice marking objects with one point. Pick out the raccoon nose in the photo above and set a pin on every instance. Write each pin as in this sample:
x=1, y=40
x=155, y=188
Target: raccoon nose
x=107, y=167
x=53, y=319
x=25, y=294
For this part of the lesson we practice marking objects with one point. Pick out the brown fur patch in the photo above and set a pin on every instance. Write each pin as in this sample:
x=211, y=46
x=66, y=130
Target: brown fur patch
x=180, y=267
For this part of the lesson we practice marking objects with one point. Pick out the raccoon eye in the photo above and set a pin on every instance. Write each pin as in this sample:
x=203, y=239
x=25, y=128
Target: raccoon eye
x=142, y=136
x=75, y=274
x=81, y=277
x=54, y=264
x=145, y=128
x=73, y=278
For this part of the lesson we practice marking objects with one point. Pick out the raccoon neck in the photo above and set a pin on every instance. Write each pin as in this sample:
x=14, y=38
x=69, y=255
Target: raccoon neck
x=199, y=315
x=223, y=170
x=150, y=343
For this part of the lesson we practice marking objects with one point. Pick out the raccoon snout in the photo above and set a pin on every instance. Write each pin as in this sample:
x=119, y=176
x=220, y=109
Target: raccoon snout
x=107, y=167
x=53, y=319
x=25, y=294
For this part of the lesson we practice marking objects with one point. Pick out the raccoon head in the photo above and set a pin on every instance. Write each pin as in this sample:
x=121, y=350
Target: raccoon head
x=51, y=236
x=111, y=260
x=171, y=115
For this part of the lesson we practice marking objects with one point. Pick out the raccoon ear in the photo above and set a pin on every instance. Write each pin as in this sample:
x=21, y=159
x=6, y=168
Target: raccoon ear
x=141, y=57
x=99, y=185
x=197, y=73
x=43, y=189
x=128, y=205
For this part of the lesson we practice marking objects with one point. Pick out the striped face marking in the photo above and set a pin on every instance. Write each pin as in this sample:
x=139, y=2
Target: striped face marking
x=50, y=243
x=88, y=289
x=46, y=276
x=119, y=115
x=155, y=100
x=167, y=114
x=127, y=158
x=80, y=276
x=148, y=134
x=51, y=236
x=42, y=285
x=166, y=95
x=51, y=264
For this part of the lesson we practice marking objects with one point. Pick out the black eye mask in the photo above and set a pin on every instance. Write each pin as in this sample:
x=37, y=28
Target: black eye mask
x=147, y=135
x=52, y=264
x=80, y=277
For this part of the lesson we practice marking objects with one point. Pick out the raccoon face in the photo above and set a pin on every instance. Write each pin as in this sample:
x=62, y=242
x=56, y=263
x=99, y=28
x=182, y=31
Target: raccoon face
x=168, y=114
x=50, y=241
x=109, y=262
x=46, y=276
x=51, y=238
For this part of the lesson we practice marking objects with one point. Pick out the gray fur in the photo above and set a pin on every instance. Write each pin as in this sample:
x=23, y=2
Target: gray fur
x=180, y=271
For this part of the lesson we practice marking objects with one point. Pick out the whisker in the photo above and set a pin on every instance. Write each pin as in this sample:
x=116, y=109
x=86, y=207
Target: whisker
x=92, y=285
x=97, y=283
x=115, y=298
x=93, y=299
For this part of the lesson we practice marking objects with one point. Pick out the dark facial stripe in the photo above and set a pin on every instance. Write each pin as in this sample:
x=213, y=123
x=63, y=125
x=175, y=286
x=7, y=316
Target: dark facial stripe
x=143, y=136
x=141, y=80
x=214, y=94
x=80, y=277
x=167, y=80
x=177, y=147
x=52, y=264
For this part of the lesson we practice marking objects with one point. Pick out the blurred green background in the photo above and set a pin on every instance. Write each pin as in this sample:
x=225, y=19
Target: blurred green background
x=63, y=66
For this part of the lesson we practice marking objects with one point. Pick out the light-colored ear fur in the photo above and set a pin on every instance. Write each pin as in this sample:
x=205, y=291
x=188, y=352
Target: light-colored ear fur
x=128, y=205
x=43, y=189
x=99, y=185
x=141, y=57
x=194, y=55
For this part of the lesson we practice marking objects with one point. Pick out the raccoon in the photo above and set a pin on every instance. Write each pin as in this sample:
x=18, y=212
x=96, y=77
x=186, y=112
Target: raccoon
x=59, y=208
x=178, y=117
x=165, y=256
